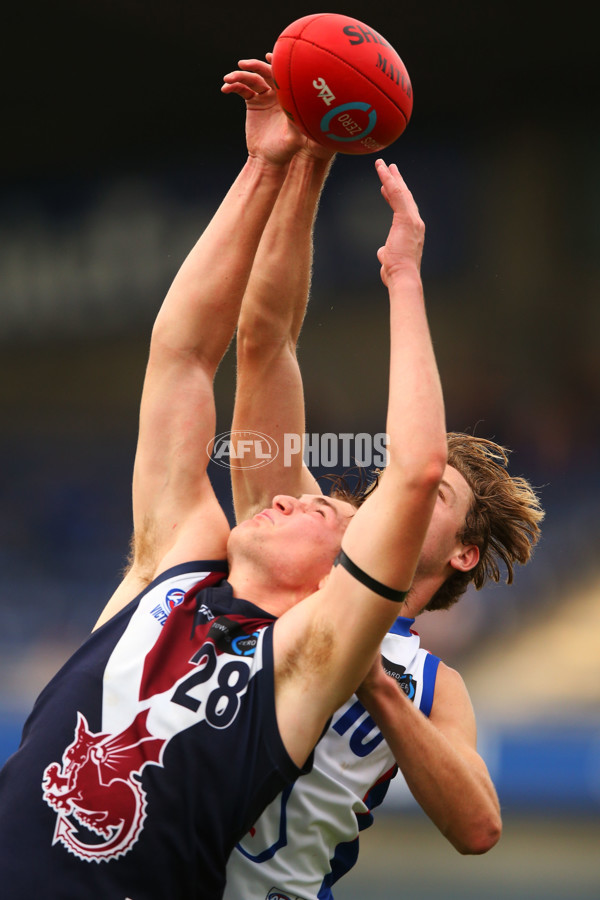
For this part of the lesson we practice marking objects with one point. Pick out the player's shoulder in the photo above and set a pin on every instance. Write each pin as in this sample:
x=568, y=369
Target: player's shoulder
x=450, y=677
x=172, y=581
x=451, y=692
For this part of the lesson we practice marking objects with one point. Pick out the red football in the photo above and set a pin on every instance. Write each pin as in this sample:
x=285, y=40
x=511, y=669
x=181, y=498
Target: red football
x=342, y=83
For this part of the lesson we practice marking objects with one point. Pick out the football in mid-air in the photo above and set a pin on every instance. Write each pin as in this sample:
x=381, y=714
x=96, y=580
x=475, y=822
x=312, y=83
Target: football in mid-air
x=341, y=83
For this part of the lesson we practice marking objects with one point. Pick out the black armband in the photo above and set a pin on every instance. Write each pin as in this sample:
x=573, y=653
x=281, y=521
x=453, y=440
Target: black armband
x=371, y=583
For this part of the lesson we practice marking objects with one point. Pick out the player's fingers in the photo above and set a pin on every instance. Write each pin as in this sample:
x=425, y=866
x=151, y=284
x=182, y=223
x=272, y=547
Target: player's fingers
x=252, y=85
x=259, y=66
x=381, y=260
x=251, y=79
x=240, y=89
x=383, y=173
x=384, y=194
x=390, y=176
x=233, y=77
x=393, y=188
x=386, y=178
x=253, y=63
x=390, y=172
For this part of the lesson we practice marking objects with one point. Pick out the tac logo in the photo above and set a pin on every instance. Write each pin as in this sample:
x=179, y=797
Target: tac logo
x=325, y=93
x=242, y=449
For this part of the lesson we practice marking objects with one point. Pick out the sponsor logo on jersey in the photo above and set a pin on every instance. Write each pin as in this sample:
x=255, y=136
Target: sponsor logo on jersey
x=405, y=681
x=96, y=790
x=172, y=599
x=203, y=613
x=230, y=637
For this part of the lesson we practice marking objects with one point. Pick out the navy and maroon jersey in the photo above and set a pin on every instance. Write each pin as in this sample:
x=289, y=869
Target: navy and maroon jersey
x=150, y=753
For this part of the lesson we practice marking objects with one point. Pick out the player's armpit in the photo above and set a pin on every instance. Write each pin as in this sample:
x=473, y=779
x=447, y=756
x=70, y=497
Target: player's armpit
x=311, y=643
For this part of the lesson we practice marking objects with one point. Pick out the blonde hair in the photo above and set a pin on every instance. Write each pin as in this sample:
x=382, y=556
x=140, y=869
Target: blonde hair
x=503, y=520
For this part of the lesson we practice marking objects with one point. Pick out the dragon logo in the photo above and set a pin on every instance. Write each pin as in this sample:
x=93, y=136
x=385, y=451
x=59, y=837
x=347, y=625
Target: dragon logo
x=97, y=792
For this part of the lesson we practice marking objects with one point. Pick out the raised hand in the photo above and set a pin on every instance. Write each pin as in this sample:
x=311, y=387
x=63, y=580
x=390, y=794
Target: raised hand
x=270, y=135
x=404, y=245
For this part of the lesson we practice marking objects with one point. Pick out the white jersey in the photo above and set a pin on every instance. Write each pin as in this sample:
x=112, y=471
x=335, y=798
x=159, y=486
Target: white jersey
x=308, y=837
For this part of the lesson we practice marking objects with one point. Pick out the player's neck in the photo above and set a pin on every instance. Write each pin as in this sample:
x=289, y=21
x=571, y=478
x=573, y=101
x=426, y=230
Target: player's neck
x=260, y=589
x=422, y=590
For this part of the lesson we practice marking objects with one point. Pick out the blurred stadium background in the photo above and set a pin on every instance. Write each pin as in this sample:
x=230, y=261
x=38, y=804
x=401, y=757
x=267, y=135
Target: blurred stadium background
x=117, y=147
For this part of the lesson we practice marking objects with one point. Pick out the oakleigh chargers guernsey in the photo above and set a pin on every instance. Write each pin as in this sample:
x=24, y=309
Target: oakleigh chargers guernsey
x=149, y=754
x=308, y=837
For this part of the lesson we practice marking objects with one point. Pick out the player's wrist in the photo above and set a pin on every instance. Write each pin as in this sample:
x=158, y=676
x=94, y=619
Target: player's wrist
x=266, y=168
x=315, y=156
x=403, y=276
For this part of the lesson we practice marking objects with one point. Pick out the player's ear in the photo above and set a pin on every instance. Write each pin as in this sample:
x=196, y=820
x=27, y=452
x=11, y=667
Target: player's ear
x=466, y=558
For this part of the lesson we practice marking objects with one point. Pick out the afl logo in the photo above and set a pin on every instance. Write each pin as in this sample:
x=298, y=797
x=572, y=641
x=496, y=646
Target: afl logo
x=242, y=449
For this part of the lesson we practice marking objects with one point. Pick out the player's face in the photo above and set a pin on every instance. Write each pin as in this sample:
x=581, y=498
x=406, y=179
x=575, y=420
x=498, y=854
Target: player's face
x=309, y=518
x=441, y=542
x=300, y=534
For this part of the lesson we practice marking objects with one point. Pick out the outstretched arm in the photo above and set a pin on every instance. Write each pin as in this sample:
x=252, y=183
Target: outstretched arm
x=269, y=393
x=438, y=756
x=176, y=514
x=454, y=788
x=340, y=627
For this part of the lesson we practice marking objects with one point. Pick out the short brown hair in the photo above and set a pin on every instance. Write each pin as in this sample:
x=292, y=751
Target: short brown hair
x=503, y=520
x=354, y=486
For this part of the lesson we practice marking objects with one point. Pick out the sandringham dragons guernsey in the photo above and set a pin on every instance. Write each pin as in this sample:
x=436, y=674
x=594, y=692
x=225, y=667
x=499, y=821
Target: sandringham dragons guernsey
x=150, y=753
